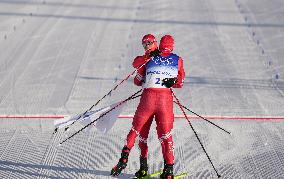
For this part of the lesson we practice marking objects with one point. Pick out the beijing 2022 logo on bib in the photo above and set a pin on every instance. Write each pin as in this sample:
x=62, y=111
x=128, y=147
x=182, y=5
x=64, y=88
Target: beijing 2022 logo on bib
x=165, y=61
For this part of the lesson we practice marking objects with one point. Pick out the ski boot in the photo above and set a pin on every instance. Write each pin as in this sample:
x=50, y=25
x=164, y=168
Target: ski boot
x=143, y=171
x=168, y=172
x=122, y=163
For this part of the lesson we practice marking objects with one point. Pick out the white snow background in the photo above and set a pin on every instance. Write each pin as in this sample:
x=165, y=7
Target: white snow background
x=60, y=57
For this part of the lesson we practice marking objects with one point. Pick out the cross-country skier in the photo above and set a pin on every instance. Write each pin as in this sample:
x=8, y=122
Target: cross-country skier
x=160, y=73
x=150, y=46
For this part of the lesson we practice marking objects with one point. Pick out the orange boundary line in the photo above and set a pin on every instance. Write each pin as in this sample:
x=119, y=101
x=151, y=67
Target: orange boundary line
x=131, y=116
x=220, y=117
x=33, y=116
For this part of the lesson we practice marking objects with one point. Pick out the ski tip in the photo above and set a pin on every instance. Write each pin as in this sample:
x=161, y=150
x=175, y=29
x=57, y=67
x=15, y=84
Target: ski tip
x=180, y=175
x=66, y=128
x=219, y=176
x=155, y=173
x=150, y=175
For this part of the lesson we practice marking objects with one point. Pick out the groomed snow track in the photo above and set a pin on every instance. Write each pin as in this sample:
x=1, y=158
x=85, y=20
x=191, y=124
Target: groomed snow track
x=59, y=57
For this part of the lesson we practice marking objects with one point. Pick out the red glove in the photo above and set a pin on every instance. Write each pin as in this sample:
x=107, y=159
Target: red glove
x=140, y=76
x=139, y=60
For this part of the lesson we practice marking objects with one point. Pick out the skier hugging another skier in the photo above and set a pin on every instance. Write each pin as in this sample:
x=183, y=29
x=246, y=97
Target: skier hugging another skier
x=158, y=71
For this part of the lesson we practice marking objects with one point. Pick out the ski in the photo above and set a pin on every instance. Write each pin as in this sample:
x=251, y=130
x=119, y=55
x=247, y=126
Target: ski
x=149, y=176
x=180, y=175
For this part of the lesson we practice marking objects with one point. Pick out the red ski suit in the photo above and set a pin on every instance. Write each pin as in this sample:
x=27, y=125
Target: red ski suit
x=156, y=100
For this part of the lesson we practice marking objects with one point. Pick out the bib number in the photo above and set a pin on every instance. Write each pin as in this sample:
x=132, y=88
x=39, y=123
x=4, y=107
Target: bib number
x=158, y=81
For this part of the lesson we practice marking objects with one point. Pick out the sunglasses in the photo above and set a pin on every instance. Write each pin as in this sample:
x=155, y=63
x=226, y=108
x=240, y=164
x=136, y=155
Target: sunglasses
x=147, y=43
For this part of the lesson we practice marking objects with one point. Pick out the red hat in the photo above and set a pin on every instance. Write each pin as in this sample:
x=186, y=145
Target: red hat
x=148, y=38
x=166, y=44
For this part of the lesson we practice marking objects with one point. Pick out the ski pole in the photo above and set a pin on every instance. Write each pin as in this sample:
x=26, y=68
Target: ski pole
x=127, y=99
x=179, y=104
x=203, y=118
x=109, y=93
x=123, y=80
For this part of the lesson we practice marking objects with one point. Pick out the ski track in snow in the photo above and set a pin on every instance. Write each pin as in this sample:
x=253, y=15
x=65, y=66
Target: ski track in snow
x=61, y=57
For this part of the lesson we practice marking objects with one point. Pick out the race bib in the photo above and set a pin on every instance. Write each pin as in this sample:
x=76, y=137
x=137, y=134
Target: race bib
x=159, y=68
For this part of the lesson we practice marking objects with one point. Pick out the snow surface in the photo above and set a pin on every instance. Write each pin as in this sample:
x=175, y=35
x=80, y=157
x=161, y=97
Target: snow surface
x=60, y=57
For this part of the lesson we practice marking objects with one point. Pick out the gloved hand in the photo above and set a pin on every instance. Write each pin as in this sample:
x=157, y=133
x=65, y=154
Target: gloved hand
x=169, y=82
x=155, y=53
